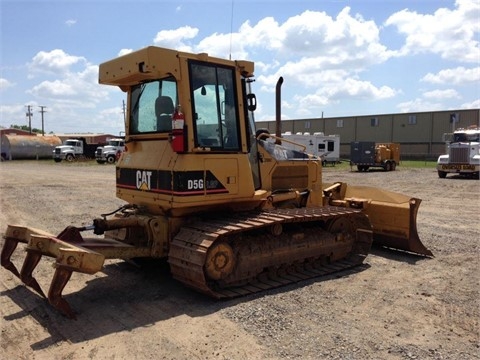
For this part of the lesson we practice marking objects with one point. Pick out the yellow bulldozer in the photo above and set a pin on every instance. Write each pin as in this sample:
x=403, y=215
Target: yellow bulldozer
x=232, y=210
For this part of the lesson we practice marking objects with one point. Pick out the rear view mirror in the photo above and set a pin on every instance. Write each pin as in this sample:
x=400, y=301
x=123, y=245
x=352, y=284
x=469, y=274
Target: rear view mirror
x=251, y=102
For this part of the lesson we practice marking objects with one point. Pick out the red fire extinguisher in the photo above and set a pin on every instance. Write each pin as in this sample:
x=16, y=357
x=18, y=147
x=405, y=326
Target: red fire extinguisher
x=178, y=126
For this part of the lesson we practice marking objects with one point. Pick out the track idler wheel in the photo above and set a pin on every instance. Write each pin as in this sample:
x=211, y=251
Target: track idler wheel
x=220, y=261
x=356, y=228
x=343, y=229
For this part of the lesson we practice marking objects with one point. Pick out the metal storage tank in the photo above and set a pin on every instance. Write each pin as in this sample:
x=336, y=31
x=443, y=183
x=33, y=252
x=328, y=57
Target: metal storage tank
x=15, y=147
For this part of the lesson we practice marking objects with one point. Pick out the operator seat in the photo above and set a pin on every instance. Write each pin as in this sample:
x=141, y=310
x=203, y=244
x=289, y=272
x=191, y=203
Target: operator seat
x=163, y=111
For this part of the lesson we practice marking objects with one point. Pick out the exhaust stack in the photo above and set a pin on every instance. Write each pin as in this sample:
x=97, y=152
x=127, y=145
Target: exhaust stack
x=278, y=110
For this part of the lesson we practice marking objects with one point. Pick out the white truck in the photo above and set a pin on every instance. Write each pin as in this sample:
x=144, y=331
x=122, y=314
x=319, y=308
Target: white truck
x=73, y=149
x=463, y=153
x=110, y=152
x=327, y=147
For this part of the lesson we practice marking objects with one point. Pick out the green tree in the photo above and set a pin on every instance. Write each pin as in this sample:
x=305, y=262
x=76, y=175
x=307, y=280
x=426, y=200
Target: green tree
x=25, y=128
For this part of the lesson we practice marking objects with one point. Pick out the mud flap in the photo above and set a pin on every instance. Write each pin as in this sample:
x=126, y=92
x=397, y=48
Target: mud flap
x=393, y=216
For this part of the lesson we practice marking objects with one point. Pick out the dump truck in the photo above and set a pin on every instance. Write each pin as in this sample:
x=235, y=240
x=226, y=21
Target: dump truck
x=368, y=154
x=463, y=153
x=231, y=212
x=75, y=148
x=110, y=152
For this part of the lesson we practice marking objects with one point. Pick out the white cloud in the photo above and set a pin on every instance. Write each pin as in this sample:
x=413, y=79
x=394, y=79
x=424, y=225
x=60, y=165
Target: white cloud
x=77, y=88
x=452, y=34
x=333, y=42
x=475, y=104
x=220, y=45
x=312, y=101
x=13, y=114
x=351, y=88
x=56, y=88
x=459, y=75
x=112, y=118
x=266, y=66
x=54, y=62
x=364, y=90
x=69, y=88
x=124, y=52
x=175, y=39
x=313, y=50
x=420, y=105
x=266, y=34
x=442, y=94
x=346, y=37
x=5, y=84
x=330, y=54
x=70, y=22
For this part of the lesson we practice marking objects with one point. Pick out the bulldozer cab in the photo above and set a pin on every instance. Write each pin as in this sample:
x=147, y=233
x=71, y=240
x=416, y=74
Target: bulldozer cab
x=196, y=113
x=210, y=93
x=214, y=107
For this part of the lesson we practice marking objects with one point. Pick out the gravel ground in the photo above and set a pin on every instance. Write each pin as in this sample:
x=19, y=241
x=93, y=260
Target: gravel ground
x=396, y=306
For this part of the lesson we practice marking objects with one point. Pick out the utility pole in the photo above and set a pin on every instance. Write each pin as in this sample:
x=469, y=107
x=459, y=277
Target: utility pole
x=123, y=108
x=42, y=111
x=29, y=115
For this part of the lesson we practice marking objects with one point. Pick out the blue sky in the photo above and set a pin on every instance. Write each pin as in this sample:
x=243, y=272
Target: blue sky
x=337, y=58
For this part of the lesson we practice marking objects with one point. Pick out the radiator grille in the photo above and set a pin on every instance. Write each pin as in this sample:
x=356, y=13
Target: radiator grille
x=459, y=155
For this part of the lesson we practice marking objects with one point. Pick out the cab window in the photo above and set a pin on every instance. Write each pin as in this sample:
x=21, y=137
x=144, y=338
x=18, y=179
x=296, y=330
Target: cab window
x=152, y=105
x=214, y=106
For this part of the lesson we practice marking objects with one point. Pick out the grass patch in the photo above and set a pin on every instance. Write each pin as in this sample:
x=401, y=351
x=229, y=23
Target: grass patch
x=404, y=164
x=419, y=164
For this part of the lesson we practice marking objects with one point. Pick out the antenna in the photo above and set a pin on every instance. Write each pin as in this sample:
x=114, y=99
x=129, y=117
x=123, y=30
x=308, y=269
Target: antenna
x=231, y=30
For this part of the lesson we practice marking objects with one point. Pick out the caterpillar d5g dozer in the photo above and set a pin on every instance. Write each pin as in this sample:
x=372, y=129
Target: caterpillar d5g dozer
x=232, y=210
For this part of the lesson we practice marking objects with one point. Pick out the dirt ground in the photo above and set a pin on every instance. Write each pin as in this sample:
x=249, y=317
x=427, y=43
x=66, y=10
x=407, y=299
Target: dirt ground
x=397, y=306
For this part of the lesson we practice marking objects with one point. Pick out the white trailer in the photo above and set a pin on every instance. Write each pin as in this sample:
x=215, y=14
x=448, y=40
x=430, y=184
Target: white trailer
x=327, y=147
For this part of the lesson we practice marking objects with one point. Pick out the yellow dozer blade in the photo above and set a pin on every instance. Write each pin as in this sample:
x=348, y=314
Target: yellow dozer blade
x=393, y=216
